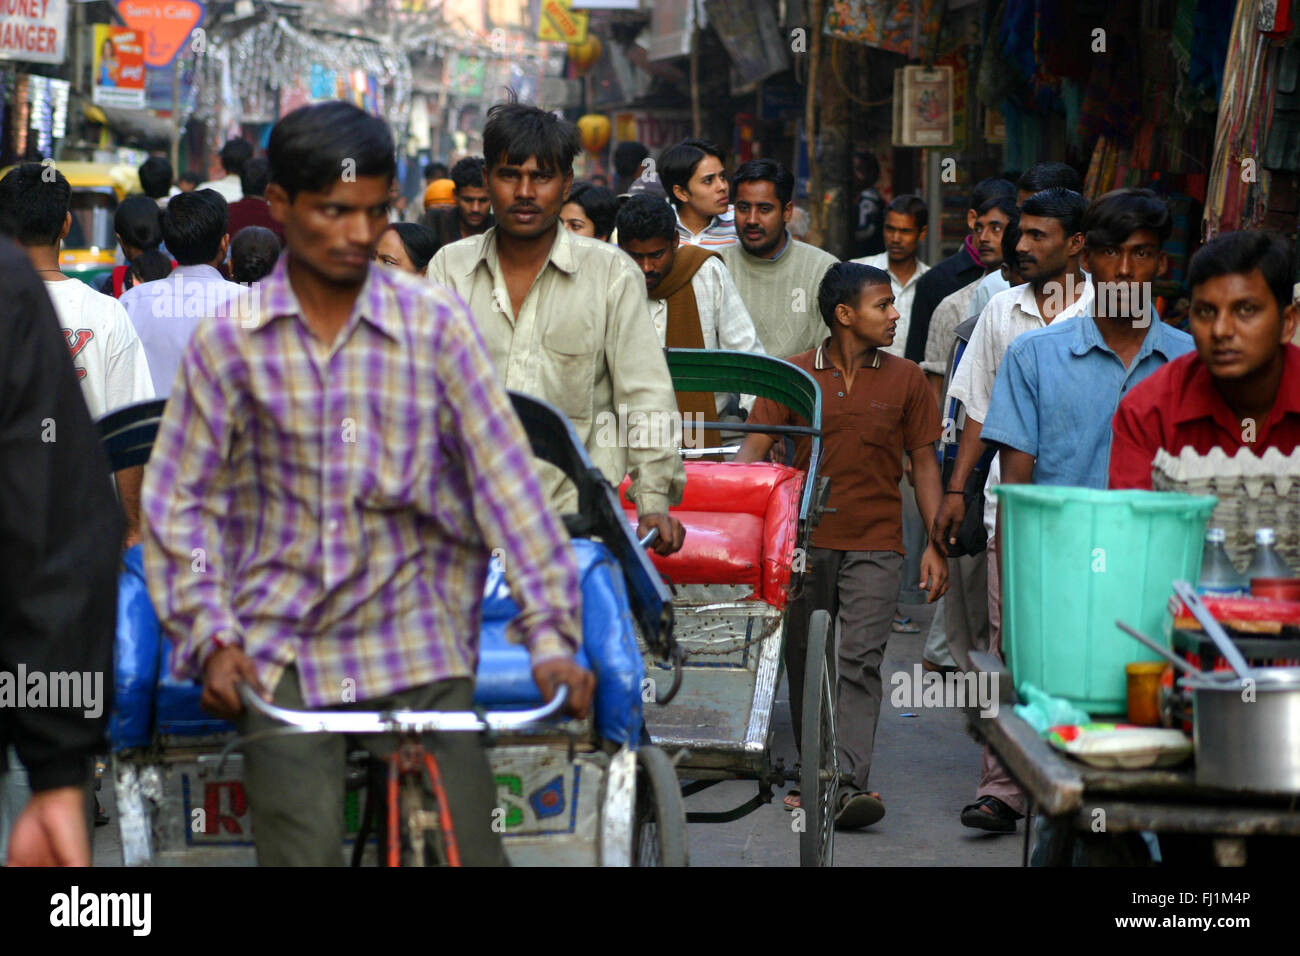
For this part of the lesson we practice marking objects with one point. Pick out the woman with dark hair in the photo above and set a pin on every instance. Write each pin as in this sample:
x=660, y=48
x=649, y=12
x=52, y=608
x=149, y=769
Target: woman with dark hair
x=138, y=224
x=253, y=253
x=589, y=211
x=407, y=245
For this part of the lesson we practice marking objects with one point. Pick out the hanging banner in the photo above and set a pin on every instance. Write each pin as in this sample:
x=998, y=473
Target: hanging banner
x=34, y=30
x=899, y=26
x=118, y=68
x=166, y=25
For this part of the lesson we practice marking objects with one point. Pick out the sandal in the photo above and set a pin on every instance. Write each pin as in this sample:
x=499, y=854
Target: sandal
x=904, y=625
x=791, y=801
x=990, y=813
x=858, y=809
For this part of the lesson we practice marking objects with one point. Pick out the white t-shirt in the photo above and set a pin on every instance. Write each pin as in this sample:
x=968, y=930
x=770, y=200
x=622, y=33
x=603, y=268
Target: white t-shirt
x=106, y=351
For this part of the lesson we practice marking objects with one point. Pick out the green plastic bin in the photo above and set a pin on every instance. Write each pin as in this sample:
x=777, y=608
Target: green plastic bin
x=1076, y=559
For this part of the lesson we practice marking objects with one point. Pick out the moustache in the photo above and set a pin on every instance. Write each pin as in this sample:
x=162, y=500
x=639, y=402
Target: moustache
x=522, y=208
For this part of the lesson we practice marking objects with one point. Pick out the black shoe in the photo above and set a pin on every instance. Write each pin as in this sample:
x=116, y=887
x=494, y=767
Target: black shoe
x=101, y=817
x=1001, y=819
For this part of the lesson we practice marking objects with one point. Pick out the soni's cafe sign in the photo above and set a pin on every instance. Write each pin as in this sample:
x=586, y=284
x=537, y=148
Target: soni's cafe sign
x=166, y=26
x=34, y=30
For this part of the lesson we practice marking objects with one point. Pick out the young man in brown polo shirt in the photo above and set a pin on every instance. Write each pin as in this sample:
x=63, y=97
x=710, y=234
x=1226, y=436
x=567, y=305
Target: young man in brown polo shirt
x=875, y=407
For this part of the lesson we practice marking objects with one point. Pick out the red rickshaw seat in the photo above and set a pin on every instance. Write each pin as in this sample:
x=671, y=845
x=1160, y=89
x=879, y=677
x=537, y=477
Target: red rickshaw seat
x=742, y=524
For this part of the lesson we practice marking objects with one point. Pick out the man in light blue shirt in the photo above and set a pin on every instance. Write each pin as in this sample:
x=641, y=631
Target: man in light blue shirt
x=166, y=311
x=1058, y=387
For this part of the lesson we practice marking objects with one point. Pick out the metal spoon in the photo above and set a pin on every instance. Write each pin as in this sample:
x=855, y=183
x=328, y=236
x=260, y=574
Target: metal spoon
x=1164, y=652
x=1213, y=628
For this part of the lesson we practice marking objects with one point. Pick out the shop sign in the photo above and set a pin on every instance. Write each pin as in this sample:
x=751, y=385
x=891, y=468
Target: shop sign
x=34, y=30
x=559, y=23
x=118, y=68
x=923, y=106
x=657, y=129
x=166, y=25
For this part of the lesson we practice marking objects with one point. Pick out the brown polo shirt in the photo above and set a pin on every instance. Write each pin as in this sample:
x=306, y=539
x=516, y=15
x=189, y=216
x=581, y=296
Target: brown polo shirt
x=865, y=432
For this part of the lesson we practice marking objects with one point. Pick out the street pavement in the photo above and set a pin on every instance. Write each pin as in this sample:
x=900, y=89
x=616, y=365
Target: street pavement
x=925, y=767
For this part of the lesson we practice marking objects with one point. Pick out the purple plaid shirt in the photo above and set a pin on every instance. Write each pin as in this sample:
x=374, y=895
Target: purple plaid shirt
x=336, y=506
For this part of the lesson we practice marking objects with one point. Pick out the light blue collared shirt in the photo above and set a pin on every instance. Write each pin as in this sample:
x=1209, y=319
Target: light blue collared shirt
x=166, y=311
x=1057, y=390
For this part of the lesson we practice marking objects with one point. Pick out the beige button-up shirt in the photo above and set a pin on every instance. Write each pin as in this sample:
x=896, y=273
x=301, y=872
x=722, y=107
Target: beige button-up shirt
x=583, y=341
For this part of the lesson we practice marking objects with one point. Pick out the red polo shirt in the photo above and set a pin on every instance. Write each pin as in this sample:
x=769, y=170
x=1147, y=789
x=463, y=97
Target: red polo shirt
x=1179, y=406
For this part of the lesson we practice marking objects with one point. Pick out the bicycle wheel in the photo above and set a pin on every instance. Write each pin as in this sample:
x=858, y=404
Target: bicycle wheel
x=819, y=767
x=659, y=820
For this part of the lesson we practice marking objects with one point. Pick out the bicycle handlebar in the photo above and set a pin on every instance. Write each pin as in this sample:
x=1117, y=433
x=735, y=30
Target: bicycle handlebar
x=401, y=721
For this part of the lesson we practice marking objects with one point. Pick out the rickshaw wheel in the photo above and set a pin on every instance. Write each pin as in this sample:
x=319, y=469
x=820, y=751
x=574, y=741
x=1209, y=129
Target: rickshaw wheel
x=819, y=765
x=659, y=820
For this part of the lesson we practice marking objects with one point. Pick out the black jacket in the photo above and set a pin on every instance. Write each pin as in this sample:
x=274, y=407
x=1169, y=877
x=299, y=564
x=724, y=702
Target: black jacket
x=60, y=534
x=953, y=273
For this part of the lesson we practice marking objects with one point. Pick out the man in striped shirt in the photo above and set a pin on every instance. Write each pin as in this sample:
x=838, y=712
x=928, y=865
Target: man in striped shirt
x=693, y=176
x=329, y=479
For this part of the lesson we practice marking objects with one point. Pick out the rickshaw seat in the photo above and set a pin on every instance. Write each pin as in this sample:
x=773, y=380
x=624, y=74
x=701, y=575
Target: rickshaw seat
x=742, y=522
x=149, y=700
x=609, y=647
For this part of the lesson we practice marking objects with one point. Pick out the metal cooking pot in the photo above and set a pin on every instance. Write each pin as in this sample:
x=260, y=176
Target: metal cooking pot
x=1248, y=732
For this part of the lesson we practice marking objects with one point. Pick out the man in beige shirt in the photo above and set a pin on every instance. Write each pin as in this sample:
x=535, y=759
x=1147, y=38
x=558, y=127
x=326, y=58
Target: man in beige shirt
x=564, y=318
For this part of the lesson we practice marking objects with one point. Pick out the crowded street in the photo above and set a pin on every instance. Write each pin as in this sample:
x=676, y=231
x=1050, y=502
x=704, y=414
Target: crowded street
x=651, y=433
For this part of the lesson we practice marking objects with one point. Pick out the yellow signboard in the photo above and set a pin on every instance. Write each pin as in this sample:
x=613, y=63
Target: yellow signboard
x=560, y=23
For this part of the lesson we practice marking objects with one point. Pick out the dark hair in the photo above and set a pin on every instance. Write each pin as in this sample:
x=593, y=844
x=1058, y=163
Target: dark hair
x=193, y=224
x=1042, y=176
x=235, y=154
x=419, y=241
x=870, y=166
x=764, y=170
x=468, y=173
x=677, y=164
x=253, y=252
x=910, y=204
x=155, y=177
x=435, y=170
x=516, y=131
x=1003, y=203
x=1064, y=205
x=843, y=283
x=628, y=157
x=189, y=176
x=1114, y=217
x=645, y=217
x=37, y=205
x=599, y=203
x=310, y=146
x=1243, y=252
x=150, y=266
x=254, y=178
x=987, y=189
x=138, y=221
x=1011, y=239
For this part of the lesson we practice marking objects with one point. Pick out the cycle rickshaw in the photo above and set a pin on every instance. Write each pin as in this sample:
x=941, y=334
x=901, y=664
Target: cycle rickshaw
x=569, y=792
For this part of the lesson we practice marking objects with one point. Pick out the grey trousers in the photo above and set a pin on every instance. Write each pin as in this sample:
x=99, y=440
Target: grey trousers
x=966, y=608
x=860, y=590
x=295, y=785
x=994, y=779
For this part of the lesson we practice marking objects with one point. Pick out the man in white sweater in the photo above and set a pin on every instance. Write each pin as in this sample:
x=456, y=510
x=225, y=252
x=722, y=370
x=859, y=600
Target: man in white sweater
x=776, y=275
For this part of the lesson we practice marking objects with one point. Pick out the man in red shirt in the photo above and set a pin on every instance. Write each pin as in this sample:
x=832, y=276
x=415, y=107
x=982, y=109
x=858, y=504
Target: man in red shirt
x=253, y=209
x=1241, y=387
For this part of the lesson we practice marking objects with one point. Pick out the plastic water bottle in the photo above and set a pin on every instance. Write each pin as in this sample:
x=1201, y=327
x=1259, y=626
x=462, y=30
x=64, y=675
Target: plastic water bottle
x=1218, y=576
x=1265, y=562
